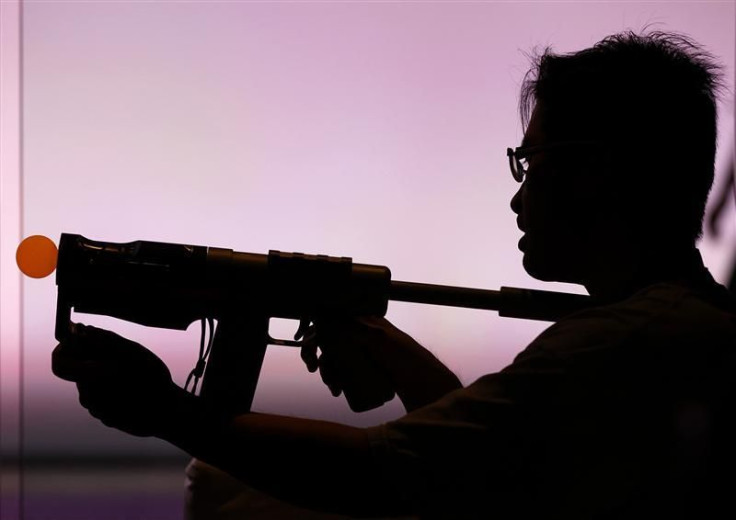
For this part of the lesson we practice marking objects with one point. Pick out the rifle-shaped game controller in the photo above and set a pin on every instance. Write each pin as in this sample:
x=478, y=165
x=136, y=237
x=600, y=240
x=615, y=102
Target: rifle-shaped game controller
x=170, y=286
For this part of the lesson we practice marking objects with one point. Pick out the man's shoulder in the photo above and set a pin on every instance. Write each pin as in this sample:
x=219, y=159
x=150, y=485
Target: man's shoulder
x=661, y=314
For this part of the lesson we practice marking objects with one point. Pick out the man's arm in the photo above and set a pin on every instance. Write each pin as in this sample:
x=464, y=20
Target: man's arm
x=314, y=464
x=416, y=375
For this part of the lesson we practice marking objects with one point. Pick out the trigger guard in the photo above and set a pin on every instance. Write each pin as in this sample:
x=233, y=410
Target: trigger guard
x=285, y=342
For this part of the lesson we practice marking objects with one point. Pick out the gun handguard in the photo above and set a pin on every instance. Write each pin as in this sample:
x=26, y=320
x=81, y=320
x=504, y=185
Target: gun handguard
x=172, y=285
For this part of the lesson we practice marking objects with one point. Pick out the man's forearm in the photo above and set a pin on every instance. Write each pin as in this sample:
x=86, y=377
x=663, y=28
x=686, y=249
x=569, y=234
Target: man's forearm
x=420, y=378
x=314, y=464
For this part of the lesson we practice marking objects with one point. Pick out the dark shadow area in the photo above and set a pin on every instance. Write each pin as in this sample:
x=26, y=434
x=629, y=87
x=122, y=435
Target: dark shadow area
x=99, y=488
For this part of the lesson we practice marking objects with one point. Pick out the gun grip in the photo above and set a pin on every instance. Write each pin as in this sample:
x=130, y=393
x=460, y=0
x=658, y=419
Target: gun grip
x=234, y=366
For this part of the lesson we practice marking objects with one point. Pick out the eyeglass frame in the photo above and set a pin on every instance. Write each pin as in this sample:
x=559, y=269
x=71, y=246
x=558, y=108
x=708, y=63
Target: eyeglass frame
x=515, y=155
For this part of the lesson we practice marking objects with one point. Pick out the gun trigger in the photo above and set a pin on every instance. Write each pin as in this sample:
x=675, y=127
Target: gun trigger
x=304, y=324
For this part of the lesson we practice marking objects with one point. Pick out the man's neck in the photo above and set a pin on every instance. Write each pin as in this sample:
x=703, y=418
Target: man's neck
x=616, y=276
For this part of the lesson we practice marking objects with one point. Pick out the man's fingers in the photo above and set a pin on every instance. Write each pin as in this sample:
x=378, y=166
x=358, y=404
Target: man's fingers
x=68, y=363
x=309, y=356
x=329, y=371
x=84, y=398
x=304, y=327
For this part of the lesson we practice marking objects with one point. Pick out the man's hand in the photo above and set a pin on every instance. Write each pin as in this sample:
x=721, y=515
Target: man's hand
x=368, y=359
x=120, y=382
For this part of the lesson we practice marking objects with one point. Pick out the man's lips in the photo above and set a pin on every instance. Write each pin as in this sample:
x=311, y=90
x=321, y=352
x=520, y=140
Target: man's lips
x=523, y=239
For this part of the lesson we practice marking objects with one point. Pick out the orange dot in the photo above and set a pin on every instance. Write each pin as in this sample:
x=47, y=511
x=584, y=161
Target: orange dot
x=36, y=256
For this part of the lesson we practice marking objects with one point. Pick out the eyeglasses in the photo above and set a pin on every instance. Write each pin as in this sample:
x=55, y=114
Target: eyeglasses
x=519, y=157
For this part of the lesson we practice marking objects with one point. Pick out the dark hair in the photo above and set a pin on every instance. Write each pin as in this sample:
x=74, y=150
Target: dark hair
x=652, y=98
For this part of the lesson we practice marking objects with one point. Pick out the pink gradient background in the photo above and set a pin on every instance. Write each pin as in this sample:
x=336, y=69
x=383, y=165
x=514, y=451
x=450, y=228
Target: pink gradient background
x=375, y=130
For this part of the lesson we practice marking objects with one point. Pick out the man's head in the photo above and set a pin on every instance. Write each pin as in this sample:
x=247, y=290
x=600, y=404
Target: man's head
x=637, y=118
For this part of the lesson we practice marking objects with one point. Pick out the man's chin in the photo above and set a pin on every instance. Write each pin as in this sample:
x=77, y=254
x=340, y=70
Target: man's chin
x=537, y=271
x=544, y=268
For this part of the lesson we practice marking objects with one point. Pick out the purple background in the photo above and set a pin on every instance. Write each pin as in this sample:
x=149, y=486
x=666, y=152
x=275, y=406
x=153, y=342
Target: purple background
x=375, y=130
x=370, y=130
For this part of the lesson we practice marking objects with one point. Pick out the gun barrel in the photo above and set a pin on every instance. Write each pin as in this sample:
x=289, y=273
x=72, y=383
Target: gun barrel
x=445, y=295
x=510, y=302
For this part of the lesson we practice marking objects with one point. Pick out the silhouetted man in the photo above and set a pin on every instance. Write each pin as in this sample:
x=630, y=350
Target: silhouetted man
x=621, y=411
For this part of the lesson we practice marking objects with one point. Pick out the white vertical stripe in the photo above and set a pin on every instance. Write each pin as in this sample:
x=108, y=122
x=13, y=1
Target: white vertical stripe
x=10, y=232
